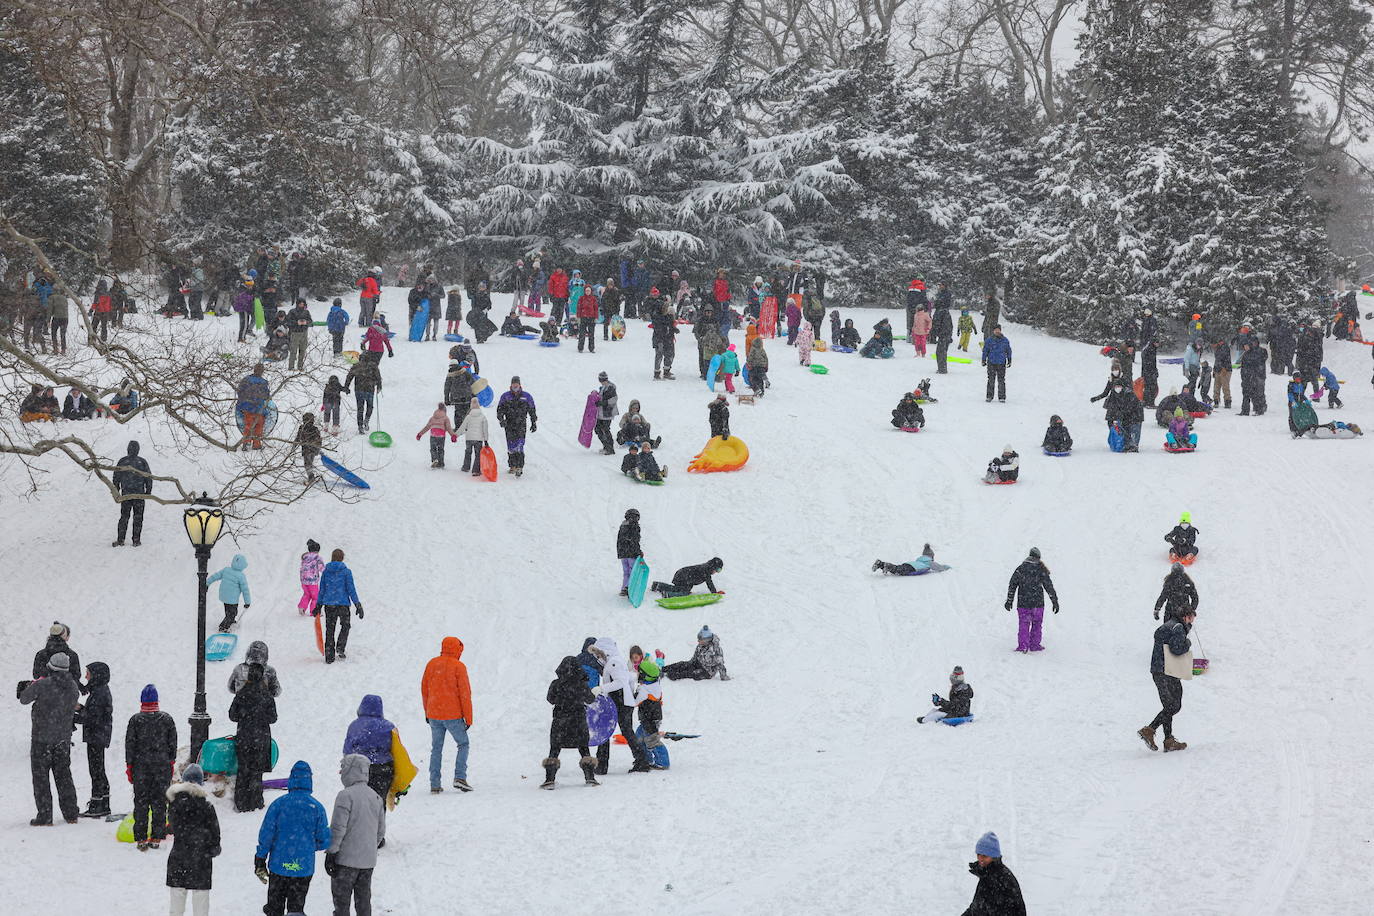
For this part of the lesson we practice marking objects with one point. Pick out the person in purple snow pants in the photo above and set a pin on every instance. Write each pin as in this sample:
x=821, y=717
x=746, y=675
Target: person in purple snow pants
x=1028, y=587
x=627, y=548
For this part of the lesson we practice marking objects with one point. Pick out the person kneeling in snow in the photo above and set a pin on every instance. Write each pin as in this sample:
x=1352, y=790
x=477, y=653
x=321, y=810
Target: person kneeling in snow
x=923, y=564
x=1005, y=467
x=688, y=577
x=908, y=414
x=707, y=660
x=960, y=702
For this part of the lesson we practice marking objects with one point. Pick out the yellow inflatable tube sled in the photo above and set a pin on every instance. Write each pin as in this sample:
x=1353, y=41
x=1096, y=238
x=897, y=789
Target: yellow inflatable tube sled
x=721, y=455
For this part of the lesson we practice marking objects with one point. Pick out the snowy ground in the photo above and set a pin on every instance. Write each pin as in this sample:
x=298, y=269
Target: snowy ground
x=813, y=790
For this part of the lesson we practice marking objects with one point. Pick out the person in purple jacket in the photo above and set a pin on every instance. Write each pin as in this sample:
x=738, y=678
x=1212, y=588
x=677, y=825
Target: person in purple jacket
x=370, y=735
x=243, y=305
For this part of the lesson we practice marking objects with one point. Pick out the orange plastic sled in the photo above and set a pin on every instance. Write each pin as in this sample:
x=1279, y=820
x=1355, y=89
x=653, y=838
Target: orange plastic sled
x=1186, y=561
x=721, y=455
x=487, y=461
x=319, y=633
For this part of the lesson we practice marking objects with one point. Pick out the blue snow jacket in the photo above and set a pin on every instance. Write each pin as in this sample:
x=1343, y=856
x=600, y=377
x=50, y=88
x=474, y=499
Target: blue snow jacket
x=254, y=393
x=370, y=734
x=233, y=584
x=336, y=585
x=294, y=828
x=1329, y=381
x=997, y=351
x=641, y=280
x=43, y=289
x=337, y=321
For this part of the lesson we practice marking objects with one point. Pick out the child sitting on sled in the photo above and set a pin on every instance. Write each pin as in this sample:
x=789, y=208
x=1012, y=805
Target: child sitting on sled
x=548, y=332
x=1005, y=467
x=908, y=414
x=648, y=464
x=960, y=702
x=630, y=463
x=1057, y=438
x=1179, y=434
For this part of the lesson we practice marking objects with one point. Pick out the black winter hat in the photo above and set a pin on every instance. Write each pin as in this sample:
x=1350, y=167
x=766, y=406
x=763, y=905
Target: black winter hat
x=632, y=514
x=717, y=563
x=312, y=545
x=1035, y=553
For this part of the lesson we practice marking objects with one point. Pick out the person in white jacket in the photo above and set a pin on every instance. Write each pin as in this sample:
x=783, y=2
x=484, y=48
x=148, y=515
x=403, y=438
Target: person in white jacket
x=474, y=432
x=621, y=686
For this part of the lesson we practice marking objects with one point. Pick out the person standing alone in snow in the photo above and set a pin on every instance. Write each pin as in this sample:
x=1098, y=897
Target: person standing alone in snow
x=1172, y=637
x=997, y=359
x=1029, y=584
x=132, y=481
x=998, y=893
x=447, y=698
x=960, y=702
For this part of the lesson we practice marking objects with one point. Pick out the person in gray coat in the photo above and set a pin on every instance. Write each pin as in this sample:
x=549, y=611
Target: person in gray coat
x=54, y=697
x=357, y=829
x=256, y=655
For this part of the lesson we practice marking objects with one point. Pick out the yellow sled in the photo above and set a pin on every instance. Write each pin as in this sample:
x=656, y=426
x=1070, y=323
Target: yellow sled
x=405, y=771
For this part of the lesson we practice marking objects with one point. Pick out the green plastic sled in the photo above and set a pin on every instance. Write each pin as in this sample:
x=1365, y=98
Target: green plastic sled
x=685, y=601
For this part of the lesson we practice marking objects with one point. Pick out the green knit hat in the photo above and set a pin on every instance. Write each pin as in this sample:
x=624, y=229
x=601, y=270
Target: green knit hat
x=649, y=670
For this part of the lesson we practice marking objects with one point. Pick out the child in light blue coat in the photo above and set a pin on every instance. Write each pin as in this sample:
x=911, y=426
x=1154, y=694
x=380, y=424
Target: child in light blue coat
x=233, y=587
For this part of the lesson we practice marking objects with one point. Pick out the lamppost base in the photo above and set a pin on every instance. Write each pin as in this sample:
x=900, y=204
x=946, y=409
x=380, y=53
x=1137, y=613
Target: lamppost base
x=200, y=733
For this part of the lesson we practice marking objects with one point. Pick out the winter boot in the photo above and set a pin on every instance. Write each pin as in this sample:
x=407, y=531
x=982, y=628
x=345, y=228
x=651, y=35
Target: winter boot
x=99, y=806
x=1170, y=744
x=550, y=765
x=624, y=593
x=1147, y=734
x=589, y=770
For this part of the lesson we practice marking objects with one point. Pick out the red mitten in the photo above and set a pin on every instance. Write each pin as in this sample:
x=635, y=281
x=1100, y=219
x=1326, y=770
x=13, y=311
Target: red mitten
x=129, y=771
x=417, y=436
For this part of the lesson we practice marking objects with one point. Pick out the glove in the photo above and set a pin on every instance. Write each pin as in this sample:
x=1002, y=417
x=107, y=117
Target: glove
x=360, y=611
x=453, y=438
x=534, y=427
x=1056, y=608
x=316, y=611
x=390, y=352
x=129, y=772
x=260, y=869
x=329, y=864
x=1008, y=604
x=346, y=391
x=935, y=699
x=247, y=606
x=417, y=436
x=1156, y=615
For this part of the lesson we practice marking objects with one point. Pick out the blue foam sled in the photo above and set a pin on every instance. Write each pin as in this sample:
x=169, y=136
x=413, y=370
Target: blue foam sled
x=525, y=336
x=219, y=646
x=843, y=349
x=548, y=343
x=455, y=338
x=268, y=424
x=343, y=473
x=601, y=721
x=1056, y=454
x=957, y=720
x=639, y=581
x=711, y=371
x=417, y=324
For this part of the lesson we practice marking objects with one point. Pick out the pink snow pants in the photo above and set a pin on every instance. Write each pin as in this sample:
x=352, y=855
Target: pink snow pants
x=919, y=342
x=1028, y=634
x=309, y=595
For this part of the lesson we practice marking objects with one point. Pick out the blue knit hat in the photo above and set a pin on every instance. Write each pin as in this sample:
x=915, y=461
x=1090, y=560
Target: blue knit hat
x=988, y=846
x=149, y=694
x=194, y=774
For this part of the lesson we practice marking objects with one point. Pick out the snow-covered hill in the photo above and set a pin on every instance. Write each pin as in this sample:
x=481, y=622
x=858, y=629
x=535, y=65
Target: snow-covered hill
x=812, y=789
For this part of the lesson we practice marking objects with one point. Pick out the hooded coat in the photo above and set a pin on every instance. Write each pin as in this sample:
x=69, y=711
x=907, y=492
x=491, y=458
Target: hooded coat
x=1032, y=580
x=444, y=688
x=195, y=837
x=97, y=716
x=370, y=733
x=336, y=585
x=294, y=828
x=233, y=584
x=256, y=655
x=627, y=540
x=1178, y=595
x=130, y=476
x=514, y=411
x=54, y=645
x=615, y=672
x=569, y=695
x=591, y=665
x=54, y=699
x=458, y=385
x=358, y=823
x=255, y=711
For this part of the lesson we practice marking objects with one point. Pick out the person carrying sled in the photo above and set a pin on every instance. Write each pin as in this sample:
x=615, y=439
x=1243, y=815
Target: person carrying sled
x=1029, y=584
x=708, y=660
x=1178, y=595
x=1057, y=438
x=233, y=588
x=908, y=414
x=569, y=695
x=689, y=577
x=1182, y=539
x=923, y=564
x=1004, y=468
x=370, y=735
x=960, y=702
x=1172, y=637
x=627, y=548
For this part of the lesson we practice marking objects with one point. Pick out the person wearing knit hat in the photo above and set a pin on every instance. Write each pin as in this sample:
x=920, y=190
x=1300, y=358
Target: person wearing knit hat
x=998, y=891
x=1182, y=540
x=514, y=410
x=150, y=751
x=1006, y=468
x=923, y=564
x=1029, y=584
x=58, y=634
x=707, y=661
x=195, y=842
x=54, y=696
x=960, y=702
x=312, y=564
x=649, y=691
x=627, y=548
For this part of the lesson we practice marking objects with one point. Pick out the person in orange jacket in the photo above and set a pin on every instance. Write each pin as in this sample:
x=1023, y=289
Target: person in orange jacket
x=448, y=710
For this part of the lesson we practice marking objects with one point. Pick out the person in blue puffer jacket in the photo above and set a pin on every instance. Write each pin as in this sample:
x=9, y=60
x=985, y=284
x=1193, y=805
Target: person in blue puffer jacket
x=233, y=588
x=336, y=323
x=370, y=735
x=293, y=830
x=1332, y=386
x=336, y=594
x=997, y=358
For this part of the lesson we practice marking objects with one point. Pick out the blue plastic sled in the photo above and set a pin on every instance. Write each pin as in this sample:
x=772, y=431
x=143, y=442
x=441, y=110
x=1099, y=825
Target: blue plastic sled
x=1172, y=360
x=525, y=336
x=601, y=721
x=548, y=343
x=957, y=720
x=658, y=756
x=843, y=349
x=1057, y=454
x=455, y=338
x=343, y=473
x=744, y=376
x=219, y=646
x=1116, y=439
x=417, y=324
x=711, y=371
x=639, y=581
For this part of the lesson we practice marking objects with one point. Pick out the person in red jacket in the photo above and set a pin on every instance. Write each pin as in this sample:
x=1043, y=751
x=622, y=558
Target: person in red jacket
x=587, y=309
x=447, y=696
x=558, y=293
x=101, y=310
x=720, y=289
x=371, y=292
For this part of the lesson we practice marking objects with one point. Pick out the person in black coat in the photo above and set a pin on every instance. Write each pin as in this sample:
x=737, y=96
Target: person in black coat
x=1057, y=438
x=1182, y=540
x=908, y=414
x=1253, y=364
x=627, y=547
x=96, y=717
x=458, y=390
x=942, y=328
x=1171, y=636
x=719, y=416
x=998, y=892
x=570, y=696
x=1178, y=596
x=689, y=577
x=54, y=699
x=150, y=752
x=1028, y=586
x=1123, y=408
x=1309, y=358
x=255, y=711
x=58, y=634
x=132, y=480
x=195, y=841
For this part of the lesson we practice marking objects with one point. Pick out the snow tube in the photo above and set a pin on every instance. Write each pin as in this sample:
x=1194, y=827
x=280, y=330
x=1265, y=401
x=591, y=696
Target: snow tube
x=268, y=424
x=721, y=455
x=601, y=721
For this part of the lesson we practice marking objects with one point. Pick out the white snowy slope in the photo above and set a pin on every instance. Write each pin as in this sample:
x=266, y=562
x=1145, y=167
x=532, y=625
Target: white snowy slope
x=812, y=790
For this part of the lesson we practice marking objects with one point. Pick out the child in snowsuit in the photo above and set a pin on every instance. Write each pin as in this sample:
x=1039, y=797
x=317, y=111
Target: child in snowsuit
x=719, y=416
x=960, y=702
x=311, y=567
x=548, y=332
x=1005, y=467
x=333, y=399
x=650, y=694
x=689, y=577
x=835, y=329
x=1057, y=438
x=706, y=661
x=629, y=465
x=729, y=368
x=439, y=425
x=849, y=336
x=923, y=564
x=966, y=328
x=908, y=414
x=96, y=718
x=233, y=588
x=474, y=430
x=1332, y=386
x=309, y=439
x=1182, y=540
x=756, y=360
x=648, y=464
x=793, y=321
x=277, y=345
x=569, y=696
x=920, y=330
x=1179, y=435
